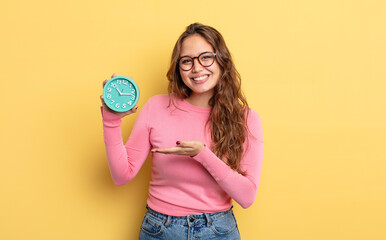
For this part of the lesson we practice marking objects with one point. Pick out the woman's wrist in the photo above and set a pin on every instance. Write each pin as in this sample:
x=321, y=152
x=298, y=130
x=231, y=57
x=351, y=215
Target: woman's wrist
x=202, y=147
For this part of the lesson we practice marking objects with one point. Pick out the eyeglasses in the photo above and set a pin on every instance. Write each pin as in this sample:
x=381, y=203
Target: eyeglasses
x=206, y=59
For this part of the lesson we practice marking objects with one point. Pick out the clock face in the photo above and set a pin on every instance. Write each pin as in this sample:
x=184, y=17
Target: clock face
x=121, y=94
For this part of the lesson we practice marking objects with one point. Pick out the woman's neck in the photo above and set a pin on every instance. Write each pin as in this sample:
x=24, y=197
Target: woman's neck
x=199, y=100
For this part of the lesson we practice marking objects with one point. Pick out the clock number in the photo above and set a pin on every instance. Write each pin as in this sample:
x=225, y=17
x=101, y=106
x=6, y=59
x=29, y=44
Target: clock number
x=132, y=91
x=132, y=97
x=130, y=103
x=119, y=81
x=117, y=105
x=131, y=86
x=108, y=96
x=123, y=105
x=108, y=89
x=124, y=82
x=113, y=85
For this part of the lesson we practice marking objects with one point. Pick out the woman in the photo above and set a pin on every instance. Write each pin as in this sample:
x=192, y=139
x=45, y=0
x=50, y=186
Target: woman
x=206, y=144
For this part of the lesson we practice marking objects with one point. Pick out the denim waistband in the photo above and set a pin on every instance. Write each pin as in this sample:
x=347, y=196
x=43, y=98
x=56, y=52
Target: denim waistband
x=186, y=220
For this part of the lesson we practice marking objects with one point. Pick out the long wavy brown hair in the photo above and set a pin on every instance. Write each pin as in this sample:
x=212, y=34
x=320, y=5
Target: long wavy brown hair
x=229, y=108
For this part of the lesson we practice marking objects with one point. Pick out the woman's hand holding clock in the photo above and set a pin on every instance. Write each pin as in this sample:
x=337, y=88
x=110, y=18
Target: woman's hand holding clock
x=106, y=108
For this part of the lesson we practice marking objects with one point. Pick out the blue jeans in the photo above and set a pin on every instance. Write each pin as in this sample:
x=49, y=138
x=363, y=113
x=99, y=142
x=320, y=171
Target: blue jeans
x=221, y=225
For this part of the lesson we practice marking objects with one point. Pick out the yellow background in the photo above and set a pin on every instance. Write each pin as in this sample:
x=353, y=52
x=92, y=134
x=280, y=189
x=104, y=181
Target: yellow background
x=314, y=71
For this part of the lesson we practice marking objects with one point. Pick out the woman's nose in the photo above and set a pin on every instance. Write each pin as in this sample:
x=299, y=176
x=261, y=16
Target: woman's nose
x=197, y=65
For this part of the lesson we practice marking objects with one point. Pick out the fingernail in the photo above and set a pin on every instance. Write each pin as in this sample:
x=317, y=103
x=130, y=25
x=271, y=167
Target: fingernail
x=178, y=142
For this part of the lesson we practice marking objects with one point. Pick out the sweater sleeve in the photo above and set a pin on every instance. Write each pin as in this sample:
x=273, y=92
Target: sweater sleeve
x=242, y=188
x=125, y=160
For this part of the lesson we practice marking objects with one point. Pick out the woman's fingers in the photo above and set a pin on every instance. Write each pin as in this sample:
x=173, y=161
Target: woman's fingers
x=187, y=144
x=102, y=100
x=172, y=150
x=189, y=148
x=134, y=109
x=104, y=104
x=106, y=80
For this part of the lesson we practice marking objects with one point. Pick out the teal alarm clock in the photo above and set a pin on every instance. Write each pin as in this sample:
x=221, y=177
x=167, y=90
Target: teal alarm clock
x=121, y=94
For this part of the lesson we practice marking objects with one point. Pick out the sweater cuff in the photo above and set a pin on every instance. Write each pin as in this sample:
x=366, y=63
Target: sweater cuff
x=110, y=119
x=215, y=166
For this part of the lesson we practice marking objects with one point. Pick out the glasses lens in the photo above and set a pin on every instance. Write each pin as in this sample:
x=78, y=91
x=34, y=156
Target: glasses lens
x=206, y=59
x=186, y=63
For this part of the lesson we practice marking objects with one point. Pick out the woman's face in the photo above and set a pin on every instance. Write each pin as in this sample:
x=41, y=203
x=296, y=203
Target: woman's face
x=201, y=80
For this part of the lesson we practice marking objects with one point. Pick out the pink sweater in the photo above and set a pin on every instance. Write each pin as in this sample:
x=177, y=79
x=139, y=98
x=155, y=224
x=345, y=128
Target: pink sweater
x=182, y=185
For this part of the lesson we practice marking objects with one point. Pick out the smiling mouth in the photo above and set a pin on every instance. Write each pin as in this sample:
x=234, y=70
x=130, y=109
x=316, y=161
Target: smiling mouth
x=201, y=78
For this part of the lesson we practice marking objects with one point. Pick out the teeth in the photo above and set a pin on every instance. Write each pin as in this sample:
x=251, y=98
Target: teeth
x=200, y=78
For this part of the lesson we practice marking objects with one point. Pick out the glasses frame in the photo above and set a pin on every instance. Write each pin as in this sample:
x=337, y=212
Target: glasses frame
x=198, y=59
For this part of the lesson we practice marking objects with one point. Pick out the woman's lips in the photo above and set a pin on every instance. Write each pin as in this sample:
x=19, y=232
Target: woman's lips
x=200, y=79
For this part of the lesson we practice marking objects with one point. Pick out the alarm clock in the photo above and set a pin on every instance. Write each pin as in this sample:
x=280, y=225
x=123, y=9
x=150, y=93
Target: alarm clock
x=121, y=94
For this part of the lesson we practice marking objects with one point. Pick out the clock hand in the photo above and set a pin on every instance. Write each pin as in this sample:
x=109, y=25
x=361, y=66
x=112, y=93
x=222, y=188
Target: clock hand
x=127, y=94
x=119, y=91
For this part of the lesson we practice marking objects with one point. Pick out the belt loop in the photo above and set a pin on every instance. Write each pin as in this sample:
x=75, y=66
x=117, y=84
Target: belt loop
x=208, y=220
x=167, y=221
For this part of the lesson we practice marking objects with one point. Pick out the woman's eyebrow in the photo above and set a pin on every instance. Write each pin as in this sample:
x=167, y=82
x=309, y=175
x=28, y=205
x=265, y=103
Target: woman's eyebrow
x=196, y=56
x=185, y=56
